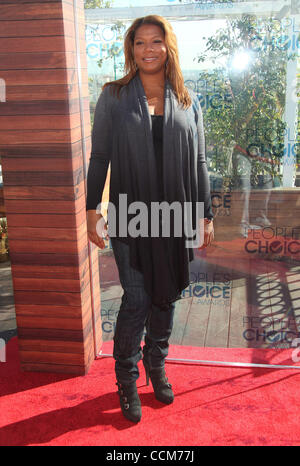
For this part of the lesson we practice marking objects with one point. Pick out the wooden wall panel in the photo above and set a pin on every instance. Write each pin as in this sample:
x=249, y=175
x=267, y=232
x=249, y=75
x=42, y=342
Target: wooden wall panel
x=44, y=146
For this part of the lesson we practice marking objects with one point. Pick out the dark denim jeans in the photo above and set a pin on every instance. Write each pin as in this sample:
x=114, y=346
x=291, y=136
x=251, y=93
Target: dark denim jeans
x=137, y=312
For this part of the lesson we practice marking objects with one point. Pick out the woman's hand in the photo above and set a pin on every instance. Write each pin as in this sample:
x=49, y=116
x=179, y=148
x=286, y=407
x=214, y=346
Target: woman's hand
x=96, y=224
x=208, y=235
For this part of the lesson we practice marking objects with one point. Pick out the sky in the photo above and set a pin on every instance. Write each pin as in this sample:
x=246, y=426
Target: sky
x=189, y=33
x=127, y=3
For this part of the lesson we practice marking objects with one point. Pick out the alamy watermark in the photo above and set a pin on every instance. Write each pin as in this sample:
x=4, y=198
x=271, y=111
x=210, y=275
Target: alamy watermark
x=160, y=219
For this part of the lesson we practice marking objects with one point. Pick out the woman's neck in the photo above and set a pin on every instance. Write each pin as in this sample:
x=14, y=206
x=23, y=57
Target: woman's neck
x=152, y=81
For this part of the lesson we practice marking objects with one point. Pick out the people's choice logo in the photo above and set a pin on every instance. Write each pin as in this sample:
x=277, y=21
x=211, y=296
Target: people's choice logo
x=159, y=213
x=2, y=350
x=296, y=352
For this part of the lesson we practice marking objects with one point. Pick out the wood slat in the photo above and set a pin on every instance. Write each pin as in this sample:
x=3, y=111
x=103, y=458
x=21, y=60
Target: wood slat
x=196, y=325
x=180, y=318
x=73, y=312
x=44, y=334
x=36, y=28
x=49, y=323
x=238, y=317
x=49, y=258
x=218, y=325
x=39, y=77
x=21, y=12
x=37, y=60
x=40, y=206
x=52, y=150
x=41, y=44
x=60, y=311
x=50, y=346
x=40, y=192
x=45, y=323
x=55, y=368
x=57, y=334
x=32, y=44
x=37, y=123
x=29, y=93
x=46, y=247
x=61, y=220
x=44, y=284
x=41, y=178
x=49, y=357
x=47, y=271
x=8, y=2
x=22, y=137
x=44, y=107
x=43, y=164
x=56, y=364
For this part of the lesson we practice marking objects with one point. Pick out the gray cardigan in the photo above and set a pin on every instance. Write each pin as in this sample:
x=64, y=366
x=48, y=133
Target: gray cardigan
x=122, y=136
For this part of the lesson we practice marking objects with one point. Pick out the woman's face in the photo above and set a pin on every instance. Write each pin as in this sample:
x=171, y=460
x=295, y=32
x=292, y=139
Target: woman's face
x=149, y=48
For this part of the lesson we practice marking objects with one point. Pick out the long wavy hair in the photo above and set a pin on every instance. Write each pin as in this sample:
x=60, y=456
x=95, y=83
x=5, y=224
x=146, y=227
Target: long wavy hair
x=172, y=72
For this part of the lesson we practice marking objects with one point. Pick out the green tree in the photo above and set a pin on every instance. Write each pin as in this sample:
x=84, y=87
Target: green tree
x=247, y=116
x=97, y=4
x=115, y=49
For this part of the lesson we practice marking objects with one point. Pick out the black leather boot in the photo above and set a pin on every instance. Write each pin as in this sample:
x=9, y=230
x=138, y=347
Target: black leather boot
x=130, y=401
x=161, y=386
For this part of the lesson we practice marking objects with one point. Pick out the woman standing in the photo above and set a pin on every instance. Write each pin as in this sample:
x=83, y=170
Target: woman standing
x=149, y=127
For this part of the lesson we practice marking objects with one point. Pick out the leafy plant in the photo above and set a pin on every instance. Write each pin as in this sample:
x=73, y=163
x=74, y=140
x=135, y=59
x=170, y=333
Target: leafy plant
x=114, y=50
x=248, y=116
x=91, y=4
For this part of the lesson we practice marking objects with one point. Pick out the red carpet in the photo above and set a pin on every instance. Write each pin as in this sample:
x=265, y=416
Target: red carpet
x=214, y=405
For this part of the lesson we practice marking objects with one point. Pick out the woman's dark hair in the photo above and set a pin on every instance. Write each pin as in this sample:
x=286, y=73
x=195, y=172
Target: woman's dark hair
x=173, y=71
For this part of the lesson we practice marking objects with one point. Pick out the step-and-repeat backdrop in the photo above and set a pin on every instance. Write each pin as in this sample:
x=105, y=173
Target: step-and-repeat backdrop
x=242, y=60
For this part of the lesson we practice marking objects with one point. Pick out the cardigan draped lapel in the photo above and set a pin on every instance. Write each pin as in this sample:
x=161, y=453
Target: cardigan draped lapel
x=171, y=110
x=122, y=136
x=123, y=133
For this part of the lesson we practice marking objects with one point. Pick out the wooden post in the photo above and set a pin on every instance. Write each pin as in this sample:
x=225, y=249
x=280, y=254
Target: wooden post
x=44, y=147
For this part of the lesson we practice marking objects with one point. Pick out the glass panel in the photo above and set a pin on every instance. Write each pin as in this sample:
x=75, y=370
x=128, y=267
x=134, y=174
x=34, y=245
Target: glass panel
x=7, y=309
x=242, y=60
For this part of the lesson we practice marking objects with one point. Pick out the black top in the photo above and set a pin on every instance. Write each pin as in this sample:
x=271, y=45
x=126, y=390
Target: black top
x=157, y=133
x=170, y=266
x=122, y=137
